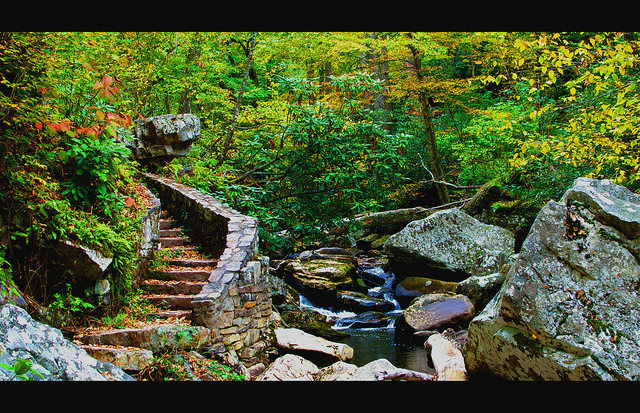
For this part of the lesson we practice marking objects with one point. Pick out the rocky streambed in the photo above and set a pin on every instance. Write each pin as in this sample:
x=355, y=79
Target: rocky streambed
x=562, y=307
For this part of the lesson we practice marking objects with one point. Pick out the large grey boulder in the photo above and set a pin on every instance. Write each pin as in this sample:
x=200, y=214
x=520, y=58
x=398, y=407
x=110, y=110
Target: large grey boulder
x=568, y=309
x=51, y=355
x=83, y=262
x=449, y=245
x=611, y=204
x=159, y=139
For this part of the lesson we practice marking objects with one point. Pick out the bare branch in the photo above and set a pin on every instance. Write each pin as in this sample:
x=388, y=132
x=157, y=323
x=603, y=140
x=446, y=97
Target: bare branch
x=435, y=181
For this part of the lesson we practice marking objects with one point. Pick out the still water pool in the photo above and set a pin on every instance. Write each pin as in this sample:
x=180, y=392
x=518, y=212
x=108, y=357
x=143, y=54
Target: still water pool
x=374, y=343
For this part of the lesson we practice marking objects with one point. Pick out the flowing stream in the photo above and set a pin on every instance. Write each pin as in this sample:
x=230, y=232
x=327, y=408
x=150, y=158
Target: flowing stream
x=372, y=343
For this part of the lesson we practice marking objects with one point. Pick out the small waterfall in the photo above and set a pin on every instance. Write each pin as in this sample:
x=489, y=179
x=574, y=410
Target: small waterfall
x=371, y=343
x=345, y=319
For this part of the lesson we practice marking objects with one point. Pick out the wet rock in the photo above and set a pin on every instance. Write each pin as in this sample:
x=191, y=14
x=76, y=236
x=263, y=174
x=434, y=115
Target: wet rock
x=411, y=287
x=310, y=321
x=374, y=277
x=432, y=312
x=320, y=277
x=369, y=319
x=449, y=245
x=53, y=356
x=568, y=307
x=360, y=303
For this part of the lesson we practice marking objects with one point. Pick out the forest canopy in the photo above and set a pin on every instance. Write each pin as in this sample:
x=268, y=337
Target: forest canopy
x=303, y=129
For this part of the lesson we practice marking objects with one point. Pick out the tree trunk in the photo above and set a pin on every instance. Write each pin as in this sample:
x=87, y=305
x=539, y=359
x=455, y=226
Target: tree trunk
x=236, y=113
x=193, y=54
x=434, y=155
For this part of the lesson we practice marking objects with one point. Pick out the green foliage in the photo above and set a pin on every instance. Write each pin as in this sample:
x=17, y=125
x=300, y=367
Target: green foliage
x=93, y=168
x=175, y=366
x=21, y=368
x=332, y=160
x=61, y=311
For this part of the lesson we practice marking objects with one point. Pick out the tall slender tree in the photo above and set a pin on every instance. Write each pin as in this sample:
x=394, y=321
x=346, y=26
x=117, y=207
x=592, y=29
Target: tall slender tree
x=229, y=139
x=425, y=109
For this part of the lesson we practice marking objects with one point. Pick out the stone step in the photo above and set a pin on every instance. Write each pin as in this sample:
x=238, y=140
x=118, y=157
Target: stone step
x=172, y=314
x=172, y=302
x=181, y=248
x=168, y=233
x=180, y=275
x=127, y=358
x=167, y=224
x=160, y=337
x=186, y=262
x=173, y=241
x=172, y=287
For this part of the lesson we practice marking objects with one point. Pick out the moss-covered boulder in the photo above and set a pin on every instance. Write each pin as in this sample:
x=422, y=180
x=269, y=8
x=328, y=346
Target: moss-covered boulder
x=319, y=277
x=449, y=245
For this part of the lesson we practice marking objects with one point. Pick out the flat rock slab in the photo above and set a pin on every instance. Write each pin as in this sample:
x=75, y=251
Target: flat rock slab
x=314, y=348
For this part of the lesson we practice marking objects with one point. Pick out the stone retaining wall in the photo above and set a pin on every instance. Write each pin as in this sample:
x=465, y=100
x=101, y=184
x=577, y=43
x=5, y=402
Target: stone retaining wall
x=149, y=231
x=236, y=303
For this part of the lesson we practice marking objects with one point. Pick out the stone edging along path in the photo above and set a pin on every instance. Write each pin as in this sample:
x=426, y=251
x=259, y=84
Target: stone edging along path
x=235, y=304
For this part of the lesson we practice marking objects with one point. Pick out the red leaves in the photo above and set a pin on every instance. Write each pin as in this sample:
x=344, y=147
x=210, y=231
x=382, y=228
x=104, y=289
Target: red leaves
x=104, y=121
x=130, y=202
x=105, y=88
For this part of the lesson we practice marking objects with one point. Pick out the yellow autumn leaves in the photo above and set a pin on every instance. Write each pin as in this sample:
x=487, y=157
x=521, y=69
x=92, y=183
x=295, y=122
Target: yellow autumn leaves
x=583, y=100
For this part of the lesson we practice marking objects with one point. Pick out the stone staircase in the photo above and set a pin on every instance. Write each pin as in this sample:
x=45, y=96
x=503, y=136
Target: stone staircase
x=179, y=273
x=182, y=272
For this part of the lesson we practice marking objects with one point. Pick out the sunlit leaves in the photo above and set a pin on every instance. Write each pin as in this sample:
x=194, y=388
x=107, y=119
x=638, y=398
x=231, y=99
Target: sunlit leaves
x=593, y=113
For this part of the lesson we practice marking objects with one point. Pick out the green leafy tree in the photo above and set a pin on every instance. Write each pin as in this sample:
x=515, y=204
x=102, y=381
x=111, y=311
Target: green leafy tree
x=580, y=90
